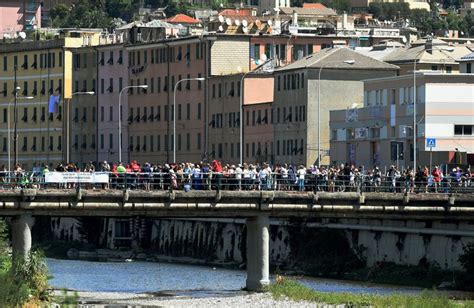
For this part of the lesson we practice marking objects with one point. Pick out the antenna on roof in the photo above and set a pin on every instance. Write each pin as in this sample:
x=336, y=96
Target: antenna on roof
x=22, y=35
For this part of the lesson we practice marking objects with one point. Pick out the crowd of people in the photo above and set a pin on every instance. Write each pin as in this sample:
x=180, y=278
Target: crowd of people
x=215, y=175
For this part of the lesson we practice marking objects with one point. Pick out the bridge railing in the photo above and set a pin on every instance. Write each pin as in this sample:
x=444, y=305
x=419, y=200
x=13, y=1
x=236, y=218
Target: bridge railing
x=219, y=181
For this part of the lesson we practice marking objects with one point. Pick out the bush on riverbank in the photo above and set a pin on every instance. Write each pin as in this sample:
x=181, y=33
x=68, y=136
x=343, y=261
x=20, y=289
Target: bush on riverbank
x=287, y=288
x=21, y=281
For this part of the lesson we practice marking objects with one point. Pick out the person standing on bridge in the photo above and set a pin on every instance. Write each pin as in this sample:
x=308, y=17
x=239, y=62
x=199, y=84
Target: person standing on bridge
x=301, y=173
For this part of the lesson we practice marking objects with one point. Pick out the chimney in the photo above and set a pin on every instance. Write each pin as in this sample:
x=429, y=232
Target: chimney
x=344, y=20
x=295, y=19
x=429, y=44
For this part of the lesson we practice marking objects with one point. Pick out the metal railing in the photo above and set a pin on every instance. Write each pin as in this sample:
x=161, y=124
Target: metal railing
x=247, y=182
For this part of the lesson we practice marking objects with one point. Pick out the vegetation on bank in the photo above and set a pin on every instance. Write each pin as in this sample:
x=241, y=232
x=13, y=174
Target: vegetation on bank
x=291, y=289
x=23, y=282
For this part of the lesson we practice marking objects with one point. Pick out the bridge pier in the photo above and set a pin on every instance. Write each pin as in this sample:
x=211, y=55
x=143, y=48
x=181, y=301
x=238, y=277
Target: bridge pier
x=21, y=235
x=258, y=257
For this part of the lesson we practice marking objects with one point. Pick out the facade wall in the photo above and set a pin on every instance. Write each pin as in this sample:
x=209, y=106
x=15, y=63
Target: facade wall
x=16, y=16
x=40, y=73
x=151, y=112
x=83, y=108
x=369, y=136
x=296, y=136
x=113, y=67
x=230, y=55
x=224, y=108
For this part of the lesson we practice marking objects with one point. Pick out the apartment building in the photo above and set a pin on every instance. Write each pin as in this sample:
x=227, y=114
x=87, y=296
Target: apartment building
x=81, y=109
x=429, y=54
x=296, y=108
x=381, y=132
x=224, y=125
x=112, y=77
x=16, y=16
x=43, y=71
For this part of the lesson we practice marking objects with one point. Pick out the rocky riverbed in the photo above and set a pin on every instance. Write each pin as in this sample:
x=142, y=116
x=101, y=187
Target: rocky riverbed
x=231, y=299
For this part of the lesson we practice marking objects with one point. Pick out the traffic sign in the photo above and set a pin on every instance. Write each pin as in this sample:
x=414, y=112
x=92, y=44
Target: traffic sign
x=431, y=142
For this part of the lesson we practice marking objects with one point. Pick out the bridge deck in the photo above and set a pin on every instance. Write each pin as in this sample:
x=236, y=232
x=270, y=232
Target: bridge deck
x=70, y=202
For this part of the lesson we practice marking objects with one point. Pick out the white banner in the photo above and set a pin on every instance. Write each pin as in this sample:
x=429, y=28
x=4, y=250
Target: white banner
x=76, y=177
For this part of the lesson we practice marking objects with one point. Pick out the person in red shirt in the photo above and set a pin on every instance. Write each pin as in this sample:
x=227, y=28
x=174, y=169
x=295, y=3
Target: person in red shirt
x=217, y=173
x=436, y=177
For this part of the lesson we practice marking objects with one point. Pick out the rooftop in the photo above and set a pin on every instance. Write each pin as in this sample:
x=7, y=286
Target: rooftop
x=469, y=57
x=308, y=11
x=182, y=19
x=446, y=54
x=333, y=58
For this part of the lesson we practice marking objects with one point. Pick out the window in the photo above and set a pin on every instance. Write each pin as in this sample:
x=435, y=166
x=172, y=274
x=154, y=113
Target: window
x=198, y=143
x=463, y=130
x=188, y=142
x=256, y=52
x=434, y=67
x=25, y=62
x=5, y=63
x=111, y=113
x=102, y=141
x=111, y=141
x=120, y=84
x=468, y=68
x=188, y=111
x=102, y=85
x=449, y=69
x=199, y=111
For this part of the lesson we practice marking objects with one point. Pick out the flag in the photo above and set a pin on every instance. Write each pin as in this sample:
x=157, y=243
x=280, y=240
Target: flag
x=53, y=104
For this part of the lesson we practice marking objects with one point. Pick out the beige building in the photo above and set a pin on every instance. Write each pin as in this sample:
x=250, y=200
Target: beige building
x=382, y=130
x=43, y=69
x=296, y=100
x=430, y=55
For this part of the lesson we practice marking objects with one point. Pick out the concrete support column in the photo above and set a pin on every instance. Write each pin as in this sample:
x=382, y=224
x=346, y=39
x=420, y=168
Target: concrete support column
x=258, y=257
x=21, y=235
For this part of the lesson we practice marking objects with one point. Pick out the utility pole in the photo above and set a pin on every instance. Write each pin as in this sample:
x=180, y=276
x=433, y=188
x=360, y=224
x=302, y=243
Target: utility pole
x=15, y=120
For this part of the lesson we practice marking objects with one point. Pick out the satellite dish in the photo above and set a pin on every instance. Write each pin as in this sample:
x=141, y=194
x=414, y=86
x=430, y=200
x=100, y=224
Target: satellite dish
x=221, y=18
x=221, y=29
x=237, y=22
x=239, y=69
x=263, y=57
x=245, y=23
x=245, y=29
x=228, y=21
x=269, y=22
x=258, y=23
x=404, y=39
x=22, y=35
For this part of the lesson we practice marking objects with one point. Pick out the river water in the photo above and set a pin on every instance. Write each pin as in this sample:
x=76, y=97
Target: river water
x=143, y=277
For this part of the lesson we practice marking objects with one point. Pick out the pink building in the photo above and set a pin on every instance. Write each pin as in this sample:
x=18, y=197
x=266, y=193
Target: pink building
x=16, y=16
x=112, y=76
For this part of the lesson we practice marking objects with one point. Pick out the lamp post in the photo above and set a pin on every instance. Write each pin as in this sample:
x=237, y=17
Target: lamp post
x=143, y=86
x=66, y=110
x=319, y=103
x=174, y=111
x=8, y=124
x=414, y=96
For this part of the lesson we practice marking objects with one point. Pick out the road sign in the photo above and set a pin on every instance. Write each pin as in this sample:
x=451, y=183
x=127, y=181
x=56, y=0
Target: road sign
x=430, y=142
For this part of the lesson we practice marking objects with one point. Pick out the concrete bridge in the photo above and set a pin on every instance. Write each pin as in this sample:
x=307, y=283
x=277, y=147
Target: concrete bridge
x=255, y=206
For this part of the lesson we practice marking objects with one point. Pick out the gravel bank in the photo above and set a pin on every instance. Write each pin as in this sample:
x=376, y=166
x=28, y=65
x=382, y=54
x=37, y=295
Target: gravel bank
x=237, y=299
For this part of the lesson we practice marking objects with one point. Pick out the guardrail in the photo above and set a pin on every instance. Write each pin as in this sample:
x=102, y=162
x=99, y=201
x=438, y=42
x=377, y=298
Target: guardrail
x=219, y=181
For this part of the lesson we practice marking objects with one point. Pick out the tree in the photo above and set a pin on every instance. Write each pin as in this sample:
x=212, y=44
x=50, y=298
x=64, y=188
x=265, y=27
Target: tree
x=119, y=9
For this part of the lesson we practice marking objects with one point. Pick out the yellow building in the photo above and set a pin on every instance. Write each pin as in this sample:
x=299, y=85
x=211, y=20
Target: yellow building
x=42, y=70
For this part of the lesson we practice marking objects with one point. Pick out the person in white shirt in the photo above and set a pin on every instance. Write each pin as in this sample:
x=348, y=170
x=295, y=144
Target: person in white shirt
x=301, y=173
x=238, y=176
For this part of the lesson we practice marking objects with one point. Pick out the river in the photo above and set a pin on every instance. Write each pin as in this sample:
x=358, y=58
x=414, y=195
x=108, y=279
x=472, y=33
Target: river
x=179, y=279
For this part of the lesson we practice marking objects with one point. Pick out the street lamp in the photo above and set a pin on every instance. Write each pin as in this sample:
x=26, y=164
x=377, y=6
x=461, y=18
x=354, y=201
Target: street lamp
x=174, y=111
x=414, y=96
x=143, y=86
x=67, y=119
x=319, y=104
x=8, y=124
